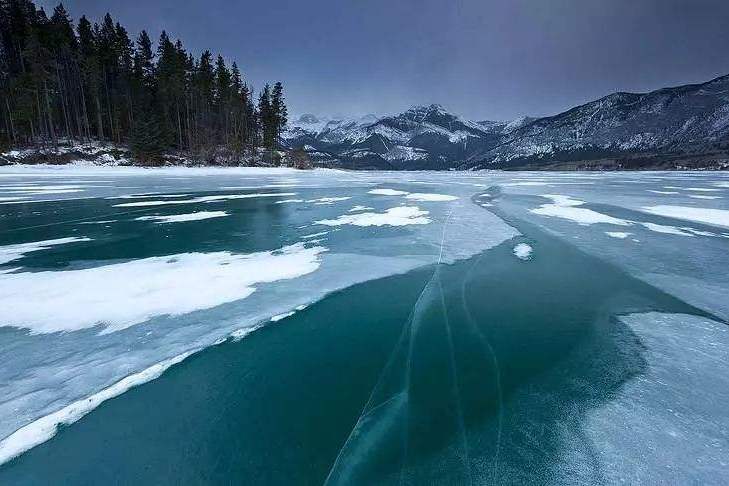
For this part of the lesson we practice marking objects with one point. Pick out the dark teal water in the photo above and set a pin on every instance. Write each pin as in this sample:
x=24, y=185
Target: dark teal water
x=473, y=373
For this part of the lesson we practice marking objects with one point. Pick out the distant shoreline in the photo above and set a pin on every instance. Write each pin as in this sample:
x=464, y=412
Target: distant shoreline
x=99, y=154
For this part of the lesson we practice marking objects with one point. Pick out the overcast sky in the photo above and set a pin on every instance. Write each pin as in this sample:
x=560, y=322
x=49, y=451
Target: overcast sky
x=483, y=59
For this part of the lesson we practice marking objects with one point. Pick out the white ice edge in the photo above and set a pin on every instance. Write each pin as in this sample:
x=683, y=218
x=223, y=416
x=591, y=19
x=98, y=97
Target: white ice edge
x=44, y=428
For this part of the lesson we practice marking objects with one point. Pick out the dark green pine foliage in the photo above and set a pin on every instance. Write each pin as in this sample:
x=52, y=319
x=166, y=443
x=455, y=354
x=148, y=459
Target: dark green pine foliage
x=149, y=141
x=61, y=80
x=267, y=118
x=279, y=111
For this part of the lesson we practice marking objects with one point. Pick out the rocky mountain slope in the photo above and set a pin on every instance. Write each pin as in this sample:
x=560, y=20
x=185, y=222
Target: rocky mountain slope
x=687, y=125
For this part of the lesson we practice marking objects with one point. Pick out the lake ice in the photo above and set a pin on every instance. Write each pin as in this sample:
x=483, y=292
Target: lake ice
x=109, y=276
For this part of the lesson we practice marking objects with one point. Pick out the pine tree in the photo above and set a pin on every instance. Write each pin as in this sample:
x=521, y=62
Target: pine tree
x=92, y=82
x=267, y=118
x=279, y=112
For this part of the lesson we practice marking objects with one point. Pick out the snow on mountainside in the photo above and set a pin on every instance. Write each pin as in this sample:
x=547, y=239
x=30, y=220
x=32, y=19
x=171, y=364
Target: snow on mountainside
x=684, y=118
x=423, y=137
x=691, y=118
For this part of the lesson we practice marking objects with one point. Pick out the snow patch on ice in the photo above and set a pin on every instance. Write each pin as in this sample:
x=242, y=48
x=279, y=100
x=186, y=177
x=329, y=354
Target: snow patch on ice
x=617, y=234
x=181, y=218
x=398, y=216
x=669, y=230
x=429, y=197
x=360, y=208
x=143, y=196
x=9, y=253
x=103, y=221
x=566, y=207
x=702, y=196
x=314, y=235
x=701, y=189
x=523, y=251
x=712, y=217
x=278, y=317
x=415, y=196
x=142, y=289
x=205, y=199
x=387, y=192
x=328, y=200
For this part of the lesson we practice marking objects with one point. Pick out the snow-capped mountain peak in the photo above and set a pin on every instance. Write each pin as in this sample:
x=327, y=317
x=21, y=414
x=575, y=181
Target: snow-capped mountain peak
x=684, y=118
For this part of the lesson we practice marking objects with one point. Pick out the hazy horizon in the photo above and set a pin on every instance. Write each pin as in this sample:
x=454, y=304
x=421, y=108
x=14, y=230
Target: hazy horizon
x=482, y=60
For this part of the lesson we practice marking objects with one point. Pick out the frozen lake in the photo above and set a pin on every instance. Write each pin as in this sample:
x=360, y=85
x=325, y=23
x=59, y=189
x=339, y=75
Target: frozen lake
x=274, y=326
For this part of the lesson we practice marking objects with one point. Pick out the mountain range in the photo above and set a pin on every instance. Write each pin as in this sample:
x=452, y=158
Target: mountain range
x=671, y=128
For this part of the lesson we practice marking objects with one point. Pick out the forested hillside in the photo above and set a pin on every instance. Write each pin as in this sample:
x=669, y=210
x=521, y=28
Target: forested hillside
x=66, y=81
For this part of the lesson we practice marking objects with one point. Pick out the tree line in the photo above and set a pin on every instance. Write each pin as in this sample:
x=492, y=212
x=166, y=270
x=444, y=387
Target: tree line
x=61, y=81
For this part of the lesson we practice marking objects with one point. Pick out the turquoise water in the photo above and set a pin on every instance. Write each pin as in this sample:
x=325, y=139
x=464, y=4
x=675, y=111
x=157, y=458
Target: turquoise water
x=481, y=369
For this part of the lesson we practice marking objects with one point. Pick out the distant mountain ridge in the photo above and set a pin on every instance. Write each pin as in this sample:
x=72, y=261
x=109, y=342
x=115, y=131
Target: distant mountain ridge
x=666, y=128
